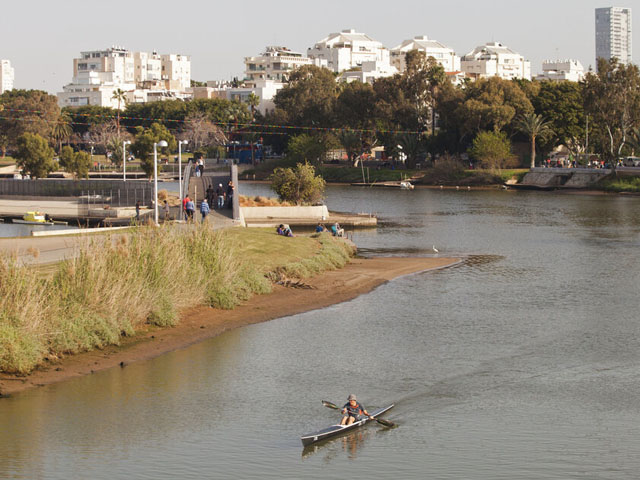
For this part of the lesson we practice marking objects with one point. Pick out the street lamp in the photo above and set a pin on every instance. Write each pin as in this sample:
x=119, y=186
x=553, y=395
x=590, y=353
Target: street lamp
x=180, y=143
x=124, y=159
x=161, y=143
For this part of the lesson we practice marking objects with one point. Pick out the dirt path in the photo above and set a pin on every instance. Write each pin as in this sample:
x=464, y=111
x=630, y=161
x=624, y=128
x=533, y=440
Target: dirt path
x=197, y=324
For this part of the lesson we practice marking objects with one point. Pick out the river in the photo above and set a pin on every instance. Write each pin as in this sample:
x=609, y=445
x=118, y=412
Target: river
x=522, y=362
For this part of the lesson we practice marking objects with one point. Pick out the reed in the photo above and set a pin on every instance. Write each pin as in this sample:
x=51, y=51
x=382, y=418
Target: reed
x=117, y=284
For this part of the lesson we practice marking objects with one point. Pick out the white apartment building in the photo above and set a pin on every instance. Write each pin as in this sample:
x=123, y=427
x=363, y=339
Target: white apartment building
x=143, y=76
x=264, y=89
x=495, y=60
x=561, y=70
x=444, y=55
x=7, y=76
x=348, y=49
x=368, y=72
x=613, y=34
x=275, y=63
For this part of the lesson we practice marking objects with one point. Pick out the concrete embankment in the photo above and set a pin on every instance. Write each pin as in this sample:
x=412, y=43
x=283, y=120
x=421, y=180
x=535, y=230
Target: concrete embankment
x=302, y=217
x=556, y=178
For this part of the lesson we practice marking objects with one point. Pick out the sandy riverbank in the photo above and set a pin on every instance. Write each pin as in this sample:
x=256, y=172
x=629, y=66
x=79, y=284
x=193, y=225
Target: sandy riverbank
x=197, y=324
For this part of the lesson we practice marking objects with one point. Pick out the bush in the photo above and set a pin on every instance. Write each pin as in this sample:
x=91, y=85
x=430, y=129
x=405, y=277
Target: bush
x=299, y=185
x=493, y=150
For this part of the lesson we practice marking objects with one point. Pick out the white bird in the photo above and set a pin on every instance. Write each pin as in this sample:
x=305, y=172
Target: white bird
x=457, y=188
x=434, y=249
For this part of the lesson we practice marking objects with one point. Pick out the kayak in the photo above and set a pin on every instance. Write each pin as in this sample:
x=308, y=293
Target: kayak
x=334, y=430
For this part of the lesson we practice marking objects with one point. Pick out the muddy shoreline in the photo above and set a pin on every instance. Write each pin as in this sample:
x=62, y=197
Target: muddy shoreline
x=200, y=323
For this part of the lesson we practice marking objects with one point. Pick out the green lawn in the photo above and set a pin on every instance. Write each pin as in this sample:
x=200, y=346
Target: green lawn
x=266, y=251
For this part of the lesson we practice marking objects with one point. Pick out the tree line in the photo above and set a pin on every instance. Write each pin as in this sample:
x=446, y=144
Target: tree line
x=418, y=115
x=422, y=115
x=37, y=132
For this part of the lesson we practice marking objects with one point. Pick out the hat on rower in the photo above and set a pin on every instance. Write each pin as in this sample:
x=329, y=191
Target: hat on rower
x=352, y=397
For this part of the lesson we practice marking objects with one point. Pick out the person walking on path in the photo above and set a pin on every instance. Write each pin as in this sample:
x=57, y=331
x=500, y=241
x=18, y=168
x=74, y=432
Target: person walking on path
x=220, y=193
x=204, y=209
x=190, y=208
x=184, y=206
x=138, y=211
x=210, y=196
x=165, y=208
x=230, y=191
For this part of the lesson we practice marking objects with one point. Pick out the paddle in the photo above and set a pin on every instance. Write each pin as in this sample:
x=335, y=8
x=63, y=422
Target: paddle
x=381, y=421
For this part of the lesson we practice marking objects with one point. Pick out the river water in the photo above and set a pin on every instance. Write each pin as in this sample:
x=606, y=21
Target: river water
x=522, y=362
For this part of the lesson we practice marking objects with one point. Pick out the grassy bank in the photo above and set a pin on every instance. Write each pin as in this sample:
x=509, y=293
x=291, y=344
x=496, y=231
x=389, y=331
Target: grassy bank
x=444, y=173
x=113, y=288
x=620, y=184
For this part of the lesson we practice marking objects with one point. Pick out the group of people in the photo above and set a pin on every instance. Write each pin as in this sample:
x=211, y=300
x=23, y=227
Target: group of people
x=221, y=196
x=334, y=229
x=214, y=198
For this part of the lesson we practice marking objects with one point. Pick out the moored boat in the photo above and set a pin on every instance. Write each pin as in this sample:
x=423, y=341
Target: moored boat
x=335, y=430
x=34, y=218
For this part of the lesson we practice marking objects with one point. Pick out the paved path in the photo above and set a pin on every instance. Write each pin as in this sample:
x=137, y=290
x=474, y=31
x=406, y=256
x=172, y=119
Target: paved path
x=197, y=187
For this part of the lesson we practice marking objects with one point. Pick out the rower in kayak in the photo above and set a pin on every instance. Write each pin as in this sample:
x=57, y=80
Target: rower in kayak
x=352, y=410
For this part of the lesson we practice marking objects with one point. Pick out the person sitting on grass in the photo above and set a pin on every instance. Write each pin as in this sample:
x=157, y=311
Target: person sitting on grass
x=336, y=231
x=284, y=230
x=320, y=228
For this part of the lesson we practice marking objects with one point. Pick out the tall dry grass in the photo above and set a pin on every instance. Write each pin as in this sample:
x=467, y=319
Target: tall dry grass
x=115, y=285
x=112, y=287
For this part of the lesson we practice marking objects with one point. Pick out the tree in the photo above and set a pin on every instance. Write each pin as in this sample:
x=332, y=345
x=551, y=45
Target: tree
x=84, y=117
x=253, y=100
x=308, y=148
x=62, y=130
x=612, y=97
x=202, y=132
x=352, y=144
x=34, y=155
x=309, y=97
x=119, y=96
x=412, y=146
x=492, y=149
x=491, y=104
x=299, y=185
x=533, y=126
x=355, y=111
x=77, y=163
x=421, y=79
x=32, y=111
x=561, y=104
x=142, y=147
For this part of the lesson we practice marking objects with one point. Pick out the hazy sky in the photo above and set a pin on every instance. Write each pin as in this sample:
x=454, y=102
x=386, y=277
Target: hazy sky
x=41, y=37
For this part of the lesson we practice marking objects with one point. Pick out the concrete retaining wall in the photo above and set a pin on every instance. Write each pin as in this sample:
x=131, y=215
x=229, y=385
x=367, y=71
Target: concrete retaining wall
x=564, y=177
x=264, y=213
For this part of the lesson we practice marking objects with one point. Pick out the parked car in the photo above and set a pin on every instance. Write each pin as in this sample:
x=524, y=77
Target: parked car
x=631, y=161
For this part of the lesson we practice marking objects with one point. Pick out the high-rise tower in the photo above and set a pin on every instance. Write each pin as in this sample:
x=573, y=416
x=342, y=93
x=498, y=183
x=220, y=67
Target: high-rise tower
x=613, y=34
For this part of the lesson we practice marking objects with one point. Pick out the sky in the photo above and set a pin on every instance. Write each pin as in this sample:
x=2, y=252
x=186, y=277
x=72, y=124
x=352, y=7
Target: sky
x=41, y=37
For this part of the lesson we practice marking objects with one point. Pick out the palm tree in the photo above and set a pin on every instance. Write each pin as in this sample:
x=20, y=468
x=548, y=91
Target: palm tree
x=352, y=144
x=412, y=146
x=62, y=129
x=253, y=100
x=533, y=126
x=120, y=96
